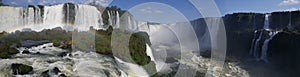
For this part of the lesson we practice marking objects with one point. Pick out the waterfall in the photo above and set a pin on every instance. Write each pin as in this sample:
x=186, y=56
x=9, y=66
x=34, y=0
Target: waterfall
x=266, y=23
x=109, y=18
x=265, y=46
x=53, y=15
x=117, y=19
x=290, y=21
x=129, y=23
x=260, y=52
x=253, y=43
x=45, y=17
x=30, y=18
x=87, y=16
x=114, y=18
x=256, y=49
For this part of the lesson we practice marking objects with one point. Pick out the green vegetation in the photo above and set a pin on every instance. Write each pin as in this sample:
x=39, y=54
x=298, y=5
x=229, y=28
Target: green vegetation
x=63, y=39
x=21, y=69
x=137, y=45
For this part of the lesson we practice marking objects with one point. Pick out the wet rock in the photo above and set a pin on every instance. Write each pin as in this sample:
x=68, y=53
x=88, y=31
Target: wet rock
x=62, y=54
x=45, y=74
x=20, y=69
x=62, y=75
x=31, y=43
x=205, y=54
x=53, y=73
x=26, y=52
x=56, y=70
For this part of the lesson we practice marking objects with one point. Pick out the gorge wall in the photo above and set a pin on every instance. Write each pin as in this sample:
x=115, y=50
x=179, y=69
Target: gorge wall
x=271, y=37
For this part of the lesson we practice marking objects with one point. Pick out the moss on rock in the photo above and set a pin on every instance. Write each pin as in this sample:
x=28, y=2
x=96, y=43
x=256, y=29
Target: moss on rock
x=21, y=69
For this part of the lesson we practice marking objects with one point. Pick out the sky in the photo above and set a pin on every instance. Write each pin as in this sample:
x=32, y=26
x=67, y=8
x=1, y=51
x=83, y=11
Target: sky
x=183, y=7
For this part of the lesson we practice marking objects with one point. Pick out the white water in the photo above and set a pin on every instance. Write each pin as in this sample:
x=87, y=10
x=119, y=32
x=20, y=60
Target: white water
x=253, y=43
x=117, y=19
x=290, y=21
x=87, y=16
x=114, y=19
x=134, y=70
x=266, y=23
x=255, y=53
x=53, y=15
x=17, y=18
x=150, y=53
x=10, y=17
x=265, y=47
x=83, y=64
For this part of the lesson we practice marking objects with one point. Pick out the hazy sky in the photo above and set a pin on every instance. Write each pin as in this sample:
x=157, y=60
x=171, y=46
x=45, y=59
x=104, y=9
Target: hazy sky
x=183, y=6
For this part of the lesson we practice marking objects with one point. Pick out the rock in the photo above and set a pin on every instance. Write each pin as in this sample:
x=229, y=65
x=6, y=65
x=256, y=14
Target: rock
x=45, y=74
x=205, y=54
x=25, y=52
x=56, y=70
x=31, y=43
x=20, y=69
x=62, y=54
x=62, y=75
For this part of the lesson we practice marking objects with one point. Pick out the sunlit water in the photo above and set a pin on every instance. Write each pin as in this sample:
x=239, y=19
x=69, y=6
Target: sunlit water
x=79, y=63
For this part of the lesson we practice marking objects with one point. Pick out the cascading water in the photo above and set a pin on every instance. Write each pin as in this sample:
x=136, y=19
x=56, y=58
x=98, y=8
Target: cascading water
x=53, y=15
x=87, y=16
x=117, y=19
x=290, y=21
x=114, y=18
x=45, y=57
x=256, y=46
x=266, y=45
x=257, y=50
x=39, y=18
x=266, y=23
x=254, y=38
x=74, y=64
x=10, y=17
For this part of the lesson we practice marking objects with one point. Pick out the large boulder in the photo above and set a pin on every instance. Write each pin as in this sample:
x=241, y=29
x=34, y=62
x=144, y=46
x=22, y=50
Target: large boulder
x=21, y=69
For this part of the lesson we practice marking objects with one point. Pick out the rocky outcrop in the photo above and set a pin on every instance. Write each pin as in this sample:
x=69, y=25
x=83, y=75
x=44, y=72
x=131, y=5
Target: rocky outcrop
x=20, y=69
x=284, y=52
x=53, y=72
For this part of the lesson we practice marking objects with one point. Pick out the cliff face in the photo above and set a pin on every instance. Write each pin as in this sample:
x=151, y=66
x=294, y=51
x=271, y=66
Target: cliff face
x=240, y=28
x=271, y=37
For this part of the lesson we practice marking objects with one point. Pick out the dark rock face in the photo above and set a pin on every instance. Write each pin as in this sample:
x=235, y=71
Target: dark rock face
x=240, y=30
x=63, y=54
x=244, y=28
x=45, y=74
x=31, y=43
x=54, y=71
x=21, y=69
x=26, y=52
x=284, y=52
x=70, y=12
